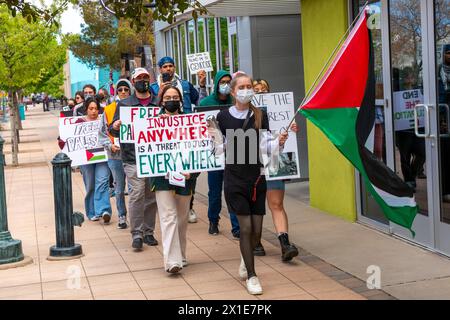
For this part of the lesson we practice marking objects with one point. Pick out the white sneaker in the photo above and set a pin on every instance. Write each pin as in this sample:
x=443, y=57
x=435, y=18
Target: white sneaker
x=253, y=286
x=242, y=270
x=184, y=263
x=192, y=216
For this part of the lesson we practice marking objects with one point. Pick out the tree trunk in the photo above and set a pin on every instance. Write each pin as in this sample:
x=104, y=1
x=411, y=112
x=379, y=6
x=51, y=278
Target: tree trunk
x=13, y=119
x=19, y=121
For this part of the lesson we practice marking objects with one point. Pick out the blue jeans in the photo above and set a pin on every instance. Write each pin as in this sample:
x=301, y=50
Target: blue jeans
x=96, y=182
x=118, y=173
x=215, y=185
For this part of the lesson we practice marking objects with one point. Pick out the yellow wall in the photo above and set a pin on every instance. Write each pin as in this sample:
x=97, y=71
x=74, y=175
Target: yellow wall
x=332, y=184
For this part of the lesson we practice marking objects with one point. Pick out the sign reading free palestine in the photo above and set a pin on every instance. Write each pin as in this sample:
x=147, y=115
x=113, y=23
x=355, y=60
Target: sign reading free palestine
x=178, y=143
x=81, y=141
x=127, y=116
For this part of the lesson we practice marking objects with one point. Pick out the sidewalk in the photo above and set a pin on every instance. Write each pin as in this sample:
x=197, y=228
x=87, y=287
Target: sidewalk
x=110, y=269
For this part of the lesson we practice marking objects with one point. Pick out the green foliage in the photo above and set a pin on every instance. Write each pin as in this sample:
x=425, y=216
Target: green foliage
x=136, y=12
x=104, y=38
x=30, y=56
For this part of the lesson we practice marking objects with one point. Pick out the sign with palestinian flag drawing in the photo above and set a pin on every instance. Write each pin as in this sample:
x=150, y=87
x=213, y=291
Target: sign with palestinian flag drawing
x=81, y=141
x=127, y=116
x=342, y=106
x=179, y=143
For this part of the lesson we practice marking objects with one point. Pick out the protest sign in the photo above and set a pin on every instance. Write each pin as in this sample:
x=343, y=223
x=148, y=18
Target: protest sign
x=199, y=61
x=127, y=116
x=404, y=102
x=280, y=111
x=81, y=141
x=179, y=143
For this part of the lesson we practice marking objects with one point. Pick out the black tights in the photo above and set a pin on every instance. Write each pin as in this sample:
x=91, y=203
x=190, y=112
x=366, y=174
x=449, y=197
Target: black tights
x=250, y=234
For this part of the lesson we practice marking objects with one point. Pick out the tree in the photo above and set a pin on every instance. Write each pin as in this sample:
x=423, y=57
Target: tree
x=135, y=11
x=30, y=57
x=104, y=38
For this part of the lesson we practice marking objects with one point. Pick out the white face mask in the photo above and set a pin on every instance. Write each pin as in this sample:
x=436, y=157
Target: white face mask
x=245, y=95
x=224, y=88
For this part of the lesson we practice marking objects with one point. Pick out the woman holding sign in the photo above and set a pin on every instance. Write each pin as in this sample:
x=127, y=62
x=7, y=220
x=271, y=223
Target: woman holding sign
x=173, y=196
x=244, y=184
x=95, y=175
x=275, y=196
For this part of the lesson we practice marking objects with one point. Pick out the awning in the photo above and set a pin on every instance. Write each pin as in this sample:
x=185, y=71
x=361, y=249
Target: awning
x=237, y=8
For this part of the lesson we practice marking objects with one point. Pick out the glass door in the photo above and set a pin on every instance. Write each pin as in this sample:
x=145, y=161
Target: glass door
x=408, y=25
x=439, y=73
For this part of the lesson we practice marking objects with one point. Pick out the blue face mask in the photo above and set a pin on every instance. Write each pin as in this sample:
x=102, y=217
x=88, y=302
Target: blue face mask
x=224, y=89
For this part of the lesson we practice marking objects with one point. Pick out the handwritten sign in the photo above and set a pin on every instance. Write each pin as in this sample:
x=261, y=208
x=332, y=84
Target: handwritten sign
x=179, y=143
x=127, y=116
x=199, y=61
x=280, y=111
x=404, y=103
x=81, y=141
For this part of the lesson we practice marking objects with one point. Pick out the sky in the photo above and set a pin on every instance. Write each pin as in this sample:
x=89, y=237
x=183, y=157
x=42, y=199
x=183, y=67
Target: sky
x=71, y=20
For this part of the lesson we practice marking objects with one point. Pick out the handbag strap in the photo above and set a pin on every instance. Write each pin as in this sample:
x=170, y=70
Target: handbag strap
x=247, y=119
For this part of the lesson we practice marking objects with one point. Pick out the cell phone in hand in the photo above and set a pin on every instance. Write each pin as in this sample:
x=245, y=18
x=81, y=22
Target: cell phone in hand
x=166, y=77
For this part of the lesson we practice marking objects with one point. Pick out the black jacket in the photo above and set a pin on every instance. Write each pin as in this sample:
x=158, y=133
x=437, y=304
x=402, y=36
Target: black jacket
x=127, y=149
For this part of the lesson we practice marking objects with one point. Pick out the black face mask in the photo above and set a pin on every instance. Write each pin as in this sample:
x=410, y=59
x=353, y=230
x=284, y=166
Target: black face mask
x=172, y=106
x=142, y=86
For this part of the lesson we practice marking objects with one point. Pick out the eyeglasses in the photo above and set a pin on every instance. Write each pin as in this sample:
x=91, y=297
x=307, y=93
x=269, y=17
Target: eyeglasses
x=123, y=90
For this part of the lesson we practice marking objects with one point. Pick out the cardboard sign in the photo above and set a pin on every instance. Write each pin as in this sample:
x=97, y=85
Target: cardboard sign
x=404, y=102
x=127, y=116
x=199, y=61
x=280, y=111
x=81, y=141
x=178, y=143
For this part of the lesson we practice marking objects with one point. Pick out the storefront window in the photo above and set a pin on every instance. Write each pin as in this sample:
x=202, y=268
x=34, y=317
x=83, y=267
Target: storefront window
x=201, y=34
x=369, y=208
x=212, y=45
x=225, y=55
x=183, y=51
x=175, y=47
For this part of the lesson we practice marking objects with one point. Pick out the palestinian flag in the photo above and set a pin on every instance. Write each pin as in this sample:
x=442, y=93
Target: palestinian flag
x=342, y=106
x=96, y=154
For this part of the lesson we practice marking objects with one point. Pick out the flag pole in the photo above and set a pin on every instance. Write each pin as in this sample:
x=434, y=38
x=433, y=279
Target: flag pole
x=325, y=66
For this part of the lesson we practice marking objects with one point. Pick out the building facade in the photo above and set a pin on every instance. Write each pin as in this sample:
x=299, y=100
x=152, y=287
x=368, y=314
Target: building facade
x=411, y=41
x=261, y=39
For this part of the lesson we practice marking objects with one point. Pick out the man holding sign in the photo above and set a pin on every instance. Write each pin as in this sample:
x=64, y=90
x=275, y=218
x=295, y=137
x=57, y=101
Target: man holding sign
x=142, y=203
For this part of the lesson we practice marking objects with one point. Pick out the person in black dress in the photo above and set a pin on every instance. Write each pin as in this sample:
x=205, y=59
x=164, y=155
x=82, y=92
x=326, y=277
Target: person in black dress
x=244, y=182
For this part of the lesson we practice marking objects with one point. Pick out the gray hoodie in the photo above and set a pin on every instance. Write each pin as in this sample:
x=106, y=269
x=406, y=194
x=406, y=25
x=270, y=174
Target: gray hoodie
x=103, y=137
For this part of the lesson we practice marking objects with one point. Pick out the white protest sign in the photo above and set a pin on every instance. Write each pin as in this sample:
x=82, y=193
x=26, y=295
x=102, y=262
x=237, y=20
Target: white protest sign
x=81, y=140
x=280, y=111
x=178, y=143
x=404, y=102
x=127, y=116
x=199, y=61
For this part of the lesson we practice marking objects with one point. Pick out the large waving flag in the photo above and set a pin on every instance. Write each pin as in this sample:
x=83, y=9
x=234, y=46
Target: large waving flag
x=342, y=106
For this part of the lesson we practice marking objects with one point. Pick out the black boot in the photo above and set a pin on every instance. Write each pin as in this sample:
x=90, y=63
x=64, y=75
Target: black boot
x=288, y=251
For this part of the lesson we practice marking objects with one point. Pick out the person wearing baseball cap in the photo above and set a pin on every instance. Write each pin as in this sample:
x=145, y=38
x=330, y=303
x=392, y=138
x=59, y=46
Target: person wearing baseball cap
x=142, y=203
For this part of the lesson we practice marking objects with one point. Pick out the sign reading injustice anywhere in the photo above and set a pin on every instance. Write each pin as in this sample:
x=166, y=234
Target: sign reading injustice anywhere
x=199, y=61
x=127, y=116
x=81, y=141
x=280, y=111
x=178, y=143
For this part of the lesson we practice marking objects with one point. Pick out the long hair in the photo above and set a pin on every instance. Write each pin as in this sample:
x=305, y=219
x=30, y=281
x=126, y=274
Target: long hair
x=262, y=82
x=163, y=92
x=256, y=111
x=88, y=101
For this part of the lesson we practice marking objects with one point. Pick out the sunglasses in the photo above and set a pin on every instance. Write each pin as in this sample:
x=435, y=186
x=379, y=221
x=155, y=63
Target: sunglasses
x=123, y=90
x=77, y=98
